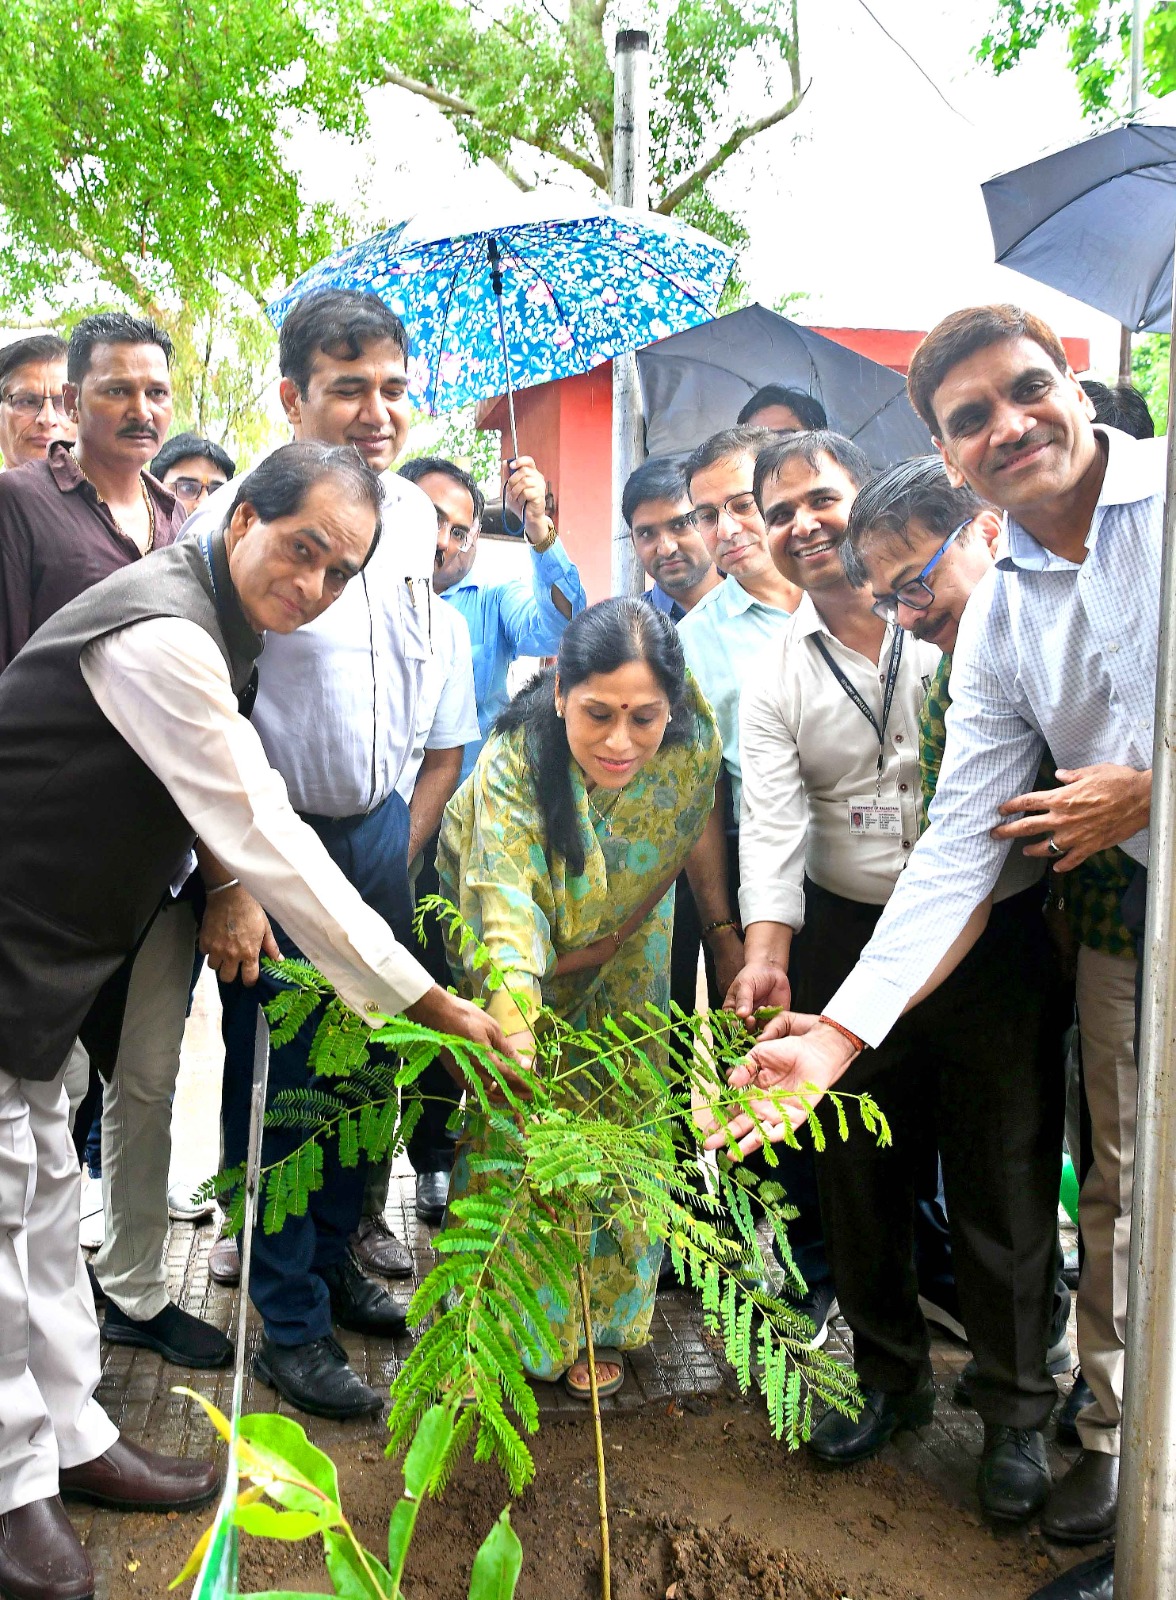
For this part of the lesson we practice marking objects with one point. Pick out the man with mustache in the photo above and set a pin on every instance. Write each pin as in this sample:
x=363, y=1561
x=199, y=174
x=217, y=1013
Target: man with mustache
x=85, y=512
x=1057, y=649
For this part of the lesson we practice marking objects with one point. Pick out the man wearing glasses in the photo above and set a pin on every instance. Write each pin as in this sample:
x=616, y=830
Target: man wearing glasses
x=33, y=412
x=832, y=810
x=193, y=468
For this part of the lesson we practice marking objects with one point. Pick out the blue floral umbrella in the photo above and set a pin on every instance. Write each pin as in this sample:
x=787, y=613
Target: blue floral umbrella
x=500, y=294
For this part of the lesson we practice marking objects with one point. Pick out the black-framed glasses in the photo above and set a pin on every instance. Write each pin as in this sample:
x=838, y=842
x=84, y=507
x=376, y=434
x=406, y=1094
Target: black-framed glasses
x=917, y=594
x=189, y=490
x=740, y=506
x=676, y=527
x=28, y=403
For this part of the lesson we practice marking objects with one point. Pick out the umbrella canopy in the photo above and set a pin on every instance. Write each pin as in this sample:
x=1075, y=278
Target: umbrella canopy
x=1097, y=220
x=581, y=283
x=697, y=382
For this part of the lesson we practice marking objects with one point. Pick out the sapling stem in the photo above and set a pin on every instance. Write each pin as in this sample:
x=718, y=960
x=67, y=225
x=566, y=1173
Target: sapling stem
x=601, y=1485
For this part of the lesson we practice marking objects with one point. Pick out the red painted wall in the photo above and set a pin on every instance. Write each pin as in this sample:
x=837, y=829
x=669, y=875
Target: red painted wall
x=894, y=347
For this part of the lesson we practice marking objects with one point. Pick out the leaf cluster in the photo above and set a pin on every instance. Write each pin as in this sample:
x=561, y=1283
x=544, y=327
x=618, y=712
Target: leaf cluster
x=1098, y=40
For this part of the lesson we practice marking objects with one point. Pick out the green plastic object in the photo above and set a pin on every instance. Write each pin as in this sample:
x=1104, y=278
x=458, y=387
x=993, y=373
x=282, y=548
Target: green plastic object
x=1068, y=1194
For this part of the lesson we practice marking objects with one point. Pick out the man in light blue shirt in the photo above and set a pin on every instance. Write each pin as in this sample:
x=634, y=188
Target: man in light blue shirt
x=731, y=627
x=506, y=620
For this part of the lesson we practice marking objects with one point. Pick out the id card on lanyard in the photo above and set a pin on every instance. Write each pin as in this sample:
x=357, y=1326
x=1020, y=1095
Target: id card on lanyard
x=870, y=816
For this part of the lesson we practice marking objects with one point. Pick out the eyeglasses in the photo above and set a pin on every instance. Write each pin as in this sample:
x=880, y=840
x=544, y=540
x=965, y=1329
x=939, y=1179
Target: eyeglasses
x=916, y=594
x=27, y=403
x=458, y=535
x=740, y=506
x=651, y=532
x=190, y=489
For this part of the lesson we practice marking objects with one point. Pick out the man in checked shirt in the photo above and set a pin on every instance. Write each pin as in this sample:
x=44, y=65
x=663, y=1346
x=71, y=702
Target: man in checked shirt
x=1057, y=649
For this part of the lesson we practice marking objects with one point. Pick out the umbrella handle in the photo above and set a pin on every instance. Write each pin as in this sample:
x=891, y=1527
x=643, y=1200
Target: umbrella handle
x=510, y=522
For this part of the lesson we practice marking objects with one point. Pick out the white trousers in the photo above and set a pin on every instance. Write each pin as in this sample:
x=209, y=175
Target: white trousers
x=49, y=1355
x=1106, y=1018
x=136, y=1118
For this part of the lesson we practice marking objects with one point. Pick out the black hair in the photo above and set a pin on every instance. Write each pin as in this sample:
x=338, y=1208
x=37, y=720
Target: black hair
x=807, y=410
x=606, y=636
x=181, y=446
x=729, y=445
x=659, y=478
x=278, y=485
x=111, y=327
x=38, y=347
x=420, y=466
x=918, y=488
x=1121, y=407
x=810, y=448
x=340, y=323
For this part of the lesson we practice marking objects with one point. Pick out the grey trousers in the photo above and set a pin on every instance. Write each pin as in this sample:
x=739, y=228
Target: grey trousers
x=1106, y=1017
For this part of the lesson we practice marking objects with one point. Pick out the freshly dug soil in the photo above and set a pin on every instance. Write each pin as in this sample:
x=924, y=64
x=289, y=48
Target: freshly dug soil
x=704, y=1504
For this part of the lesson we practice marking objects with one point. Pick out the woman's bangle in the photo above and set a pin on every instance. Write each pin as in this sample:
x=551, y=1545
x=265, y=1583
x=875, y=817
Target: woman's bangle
x=858, y=1044
x=717, y=927
x=216, y=888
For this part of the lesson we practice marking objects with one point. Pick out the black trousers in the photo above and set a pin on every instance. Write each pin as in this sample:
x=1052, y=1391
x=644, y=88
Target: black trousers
x=431, y=1146
x=975, y=1071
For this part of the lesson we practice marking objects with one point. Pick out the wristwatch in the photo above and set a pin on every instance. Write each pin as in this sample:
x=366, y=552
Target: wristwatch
x=546, y=542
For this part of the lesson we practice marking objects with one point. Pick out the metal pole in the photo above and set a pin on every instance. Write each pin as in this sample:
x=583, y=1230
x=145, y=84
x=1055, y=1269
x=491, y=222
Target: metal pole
x=630, y=187
x=1138, y=12
x=1145, y=1561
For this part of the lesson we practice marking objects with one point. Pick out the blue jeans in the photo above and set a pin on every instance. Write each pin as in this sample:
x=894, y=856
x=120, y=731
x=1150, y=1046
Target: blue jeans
x=286, y=1283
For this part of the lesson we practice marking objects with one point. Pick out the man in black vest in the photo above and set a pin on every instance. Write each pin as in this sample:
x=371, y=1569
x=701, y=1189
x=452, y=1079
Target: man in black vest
x=120, y=741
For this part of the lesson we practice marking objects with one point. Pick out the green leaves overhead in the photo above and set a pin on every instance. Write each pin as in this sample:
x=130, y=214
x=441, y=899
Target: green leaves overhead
x=1098, y=39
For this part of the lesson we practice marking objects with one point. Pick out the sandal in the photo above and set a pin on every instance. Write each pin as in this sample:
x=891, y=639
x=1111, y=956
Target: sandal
x=605, y=1387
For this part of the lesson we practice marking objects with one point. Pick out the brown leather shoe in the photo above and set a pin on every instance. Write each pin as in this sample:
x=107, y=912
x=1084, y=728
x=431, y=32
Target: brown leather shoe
x=129, y=1478
x=41, y=1557
x=224, y=1262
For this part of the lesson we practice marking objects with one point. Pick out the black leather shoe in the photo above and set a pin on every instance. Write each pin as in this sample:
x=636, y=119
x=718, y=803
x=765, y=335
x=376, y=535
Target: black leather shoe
x=41, y=1557
x=129, y=1478
x=1083, y=1507
x=1013, y=1481
x=840, y=1440
x=1092, y=1580
x=1066, y=1429
x=432, y=1196
x=175, y=1334
x=315, y=1377
x=359, y=1304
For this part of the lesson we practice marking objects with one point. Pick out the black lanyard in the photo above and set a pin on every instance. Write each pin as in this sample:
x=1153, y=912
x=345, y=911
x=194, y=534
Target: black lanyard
x=887, y=696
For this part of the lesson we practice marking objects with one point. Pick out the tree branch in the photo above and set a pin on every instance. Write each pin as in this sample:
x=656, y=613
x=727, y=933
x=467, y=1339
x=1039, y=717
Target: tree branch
x=670, y=202
x=464, y=108
x=508, y=171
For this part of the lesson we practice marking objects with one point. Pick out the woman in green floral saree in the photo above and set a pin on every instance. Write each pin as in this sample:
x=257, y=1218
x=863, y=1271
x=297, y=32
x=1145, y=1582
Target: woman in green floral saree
x=561, y=850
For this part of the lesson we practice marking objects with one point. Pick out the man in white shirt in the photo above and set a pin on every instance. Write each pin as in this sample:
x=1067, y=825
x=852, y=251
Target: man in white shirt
x=337, y=711
x=1057, y=649
x=831, y=813
x=120, y=741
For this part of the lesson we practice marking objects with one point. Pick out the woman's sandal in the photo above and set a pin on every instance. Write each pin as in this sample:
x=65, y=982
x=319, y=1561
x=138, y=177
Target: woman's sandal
x=603, y=1389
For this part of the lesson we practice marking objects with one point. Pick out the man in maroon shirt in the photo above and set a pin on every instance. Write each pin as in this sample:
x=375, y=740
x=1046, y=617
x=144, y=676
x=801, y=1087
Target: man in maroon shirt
x=82, y=514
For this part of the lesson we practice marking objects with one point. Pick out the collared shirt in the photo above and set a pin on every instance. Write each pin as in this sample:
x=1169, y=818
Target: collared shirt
x=512, y=619
x=722, y=638
x=1050, y=654
x=57, y=537
x=447, y=714
x=164, y=686
x=809, y=755
x=665, y=603
x=337, y=700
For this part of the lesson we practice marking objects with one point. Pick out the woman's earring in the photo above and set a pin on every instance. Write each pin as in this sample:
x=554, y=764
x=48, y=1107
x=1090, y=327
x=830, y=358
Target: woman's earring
x=559, y=711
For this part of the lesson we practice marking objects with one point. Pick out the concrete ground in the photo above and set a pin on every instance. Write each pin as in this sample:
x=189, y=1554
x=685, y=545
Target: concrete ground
x=136, y=1386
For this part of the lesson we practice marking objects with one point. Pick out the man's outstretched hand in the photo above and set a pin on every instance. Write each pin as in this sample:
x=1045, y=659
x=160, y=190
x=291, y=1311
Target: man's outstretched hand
x=449, y=1013
x=793, y=1051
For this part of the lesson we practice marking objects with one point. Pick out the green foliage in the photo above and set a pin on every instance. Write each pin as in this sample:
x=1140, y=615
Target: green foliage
x=606, y=1128
x=1149, y=373
x=1098, y=38
x=280, y=1465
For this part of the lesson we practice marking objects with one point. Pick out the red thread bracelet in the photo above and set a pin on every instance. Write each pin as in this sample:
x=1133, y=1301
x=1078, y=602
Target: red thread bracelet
x=858, y=1044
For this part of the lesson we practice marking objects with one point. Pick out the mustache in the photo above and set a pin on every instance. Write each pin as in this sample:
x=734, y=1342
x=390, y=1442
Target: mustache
x=140, y=433
x=1027, y=441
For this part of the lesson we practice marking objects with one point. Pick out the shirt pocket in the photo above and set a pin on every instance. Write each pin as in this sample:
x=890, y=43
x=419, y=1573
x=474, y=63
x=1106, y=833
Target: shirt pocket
x=416, y=600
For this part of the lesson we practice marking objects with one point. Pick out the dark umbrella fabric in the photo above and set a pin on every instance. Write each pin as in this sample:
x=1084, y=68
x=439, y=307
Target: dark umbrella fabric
x=1097, y=220
x=698, y=381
